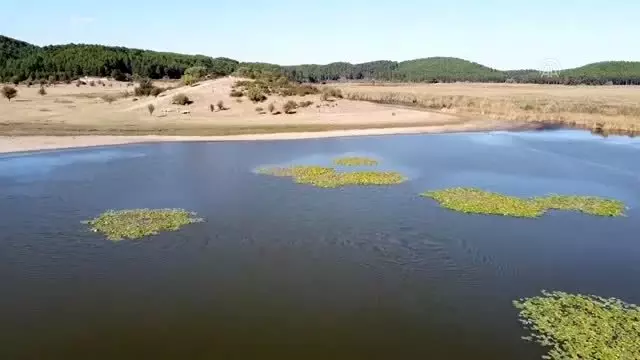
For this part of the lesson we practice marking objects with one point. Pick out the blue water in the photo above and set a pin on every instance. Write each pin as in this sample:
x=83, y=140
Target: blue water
x=286, y=271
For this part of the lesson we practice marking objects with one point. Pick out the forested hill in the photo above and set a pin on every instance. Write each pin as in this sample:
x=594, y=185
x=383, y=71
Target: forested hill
x=20, y=61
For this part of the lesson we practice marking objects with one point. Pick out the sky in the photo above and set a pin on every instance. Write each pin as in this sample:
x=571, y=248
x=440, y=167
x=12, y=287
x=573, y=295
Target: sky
x=542, y=34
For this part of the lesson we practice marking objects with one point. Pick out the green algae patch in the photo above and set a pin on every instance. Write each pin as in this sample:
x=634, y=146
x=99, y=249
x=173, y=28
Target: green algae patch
x=582, y=326
x=587, y=204
x=478, y=201
x=355, y=161
x=138, y=223
x=326, y=177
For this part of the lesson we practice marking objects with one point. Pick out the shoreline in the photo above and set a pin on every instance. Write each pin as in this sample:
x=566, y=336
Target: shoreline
x=32, y=143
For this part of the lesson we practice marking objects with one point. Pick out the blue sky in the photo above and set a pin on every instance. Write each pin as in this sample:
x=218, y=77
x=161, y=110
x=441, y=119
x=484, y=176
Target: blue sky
x=498, y=33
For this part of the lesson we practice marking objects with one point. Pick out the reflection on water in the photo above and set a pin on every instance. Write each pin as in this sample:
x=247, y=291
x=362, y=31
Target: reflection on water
x=285, y=271
x=24, y=167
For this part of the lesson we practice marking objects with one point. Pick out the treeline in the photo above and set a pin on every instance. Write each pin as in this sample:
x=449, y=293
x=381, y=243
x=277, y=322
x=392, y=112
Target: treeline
x=443, y=69
x=20, y=61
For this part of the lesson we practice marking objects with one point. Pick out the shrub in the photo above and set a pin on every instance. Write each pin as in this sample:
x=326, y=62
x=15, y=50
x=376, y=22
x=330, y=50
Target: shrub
x=29, y=83
x=68, y=81
x=9, y=92
x=289, y=107
x=212, y=107
x=78, y=83
x=144, y=88
x=255, y=94
x=221, y=105
x=52, y=79
x=189, y=80
x=117, y=75
x=92, y=83
x=42, y=91
x=108, y=98
x=324, y=96
x=271, y=107
x=331, y=92
x=155, y=91
x=181, y=99
x=15, y=80
x=43, y=82
x=197, y=72
x=305, y=104
x=236, y=93
x=151, y=108
x=259, y=109
x=239, y=101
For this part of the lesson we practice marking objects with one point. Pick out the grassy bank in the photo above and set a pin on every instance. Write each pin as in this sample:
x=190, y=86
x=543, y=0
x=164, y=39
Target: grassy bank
x=603, y=110
x=477, y=201
x=138, y=223
x=582, y=326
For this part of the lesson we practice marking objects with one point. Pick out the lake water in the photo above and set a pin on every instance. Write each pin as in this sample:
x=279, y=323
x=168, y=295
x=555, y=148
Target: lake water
x=286, y=271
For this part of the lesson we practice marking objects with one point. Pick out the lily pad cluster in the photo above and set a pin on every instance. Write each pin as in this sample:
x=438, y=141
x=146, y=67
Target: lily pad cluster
x=327, y=177
x=477, y=201
x=138, y=223
x=582, y=326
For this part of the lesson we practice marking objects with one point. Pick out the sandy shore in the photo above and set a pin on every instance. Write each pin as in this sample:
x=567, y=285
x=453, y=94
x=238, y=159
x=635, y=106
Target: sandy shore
x=11, y=144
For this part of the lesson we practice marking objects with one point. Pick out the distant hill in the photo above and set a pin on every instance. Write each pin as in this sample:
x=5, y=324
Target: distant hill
x=20, y=61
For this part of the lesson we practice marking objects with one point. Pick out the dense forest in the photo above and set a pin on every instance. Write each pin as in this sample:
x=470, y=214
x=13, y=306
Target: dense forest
x=20, y=61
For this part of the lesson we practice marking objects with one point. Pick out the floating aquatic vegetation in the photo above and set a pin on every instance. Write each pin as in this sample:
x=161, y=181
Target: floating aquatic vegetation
x=587, y=204
x=137, y=223
x=326, y=177
x=582, y=326
x=477, y=201
x=355, y=161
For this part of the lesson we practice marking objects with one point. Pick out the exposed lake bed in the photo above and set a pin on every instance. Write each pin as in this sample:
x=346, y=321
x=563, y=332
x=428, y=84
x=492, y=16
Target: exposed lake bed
x=278, y=269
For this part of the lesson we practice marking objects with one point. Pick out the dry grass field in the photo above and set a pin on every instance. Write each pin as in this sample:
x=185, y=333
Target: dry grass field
x=69, y=116
x=89, y=110
x=613, y=109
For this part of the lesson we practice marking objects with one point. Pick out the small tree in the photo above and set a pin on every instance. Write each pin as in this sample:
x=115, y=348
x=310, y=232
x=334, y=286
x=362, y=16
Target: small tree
x=221, y=105
x=43, y=82
x=52, y=79
x=212, y=107
x=15, y=80
x=42, y=91
x=151, y=108
x=9, y=92
x=271, y=108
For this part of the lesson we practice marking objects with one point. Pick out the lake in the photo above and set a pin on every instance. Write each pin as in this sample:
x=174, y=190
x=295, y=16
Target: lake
x=286, y=271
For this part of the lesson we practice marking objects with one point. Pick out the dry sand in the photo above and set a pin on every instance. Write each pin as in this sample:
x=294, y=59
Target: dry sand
x=70, y=116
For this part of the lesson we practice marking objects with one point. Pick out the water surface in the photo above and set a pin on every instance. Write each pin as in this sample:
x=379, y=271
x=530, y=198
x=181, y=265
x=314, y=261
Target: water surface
x=284, y=271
